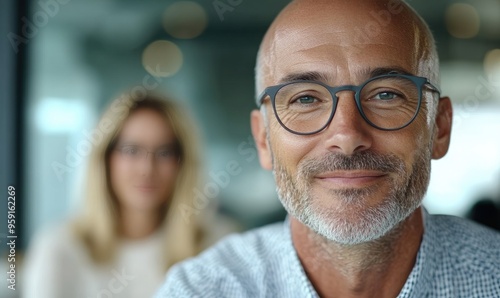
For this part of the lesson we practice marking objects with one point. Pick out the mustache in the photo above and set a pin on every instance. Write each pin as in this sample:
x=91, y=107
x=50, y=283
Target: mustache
x=363, y=160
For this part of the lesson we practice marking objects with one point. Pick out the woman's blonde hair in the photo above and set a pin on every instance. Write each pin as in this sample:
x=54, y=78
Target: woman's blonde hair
x=98, y=225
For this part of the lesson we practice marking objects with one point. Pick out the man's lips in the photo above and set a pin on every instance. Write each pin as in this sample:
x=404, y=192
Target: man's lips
x=350, y=178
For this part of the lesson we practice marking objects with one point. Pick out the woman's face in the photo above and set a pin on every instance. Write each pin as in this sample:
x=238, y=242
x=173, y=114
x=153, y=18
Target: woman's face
x=144, y=163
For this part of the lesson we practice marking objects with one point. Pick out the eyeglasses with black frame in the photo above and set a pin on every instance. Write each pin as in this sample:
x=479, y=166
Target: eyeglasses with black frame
x=387, y=102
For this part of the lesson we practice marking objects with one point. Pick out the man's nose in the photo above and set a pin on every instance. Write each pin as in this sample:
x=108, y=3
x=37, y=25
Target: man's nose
x=348, y=132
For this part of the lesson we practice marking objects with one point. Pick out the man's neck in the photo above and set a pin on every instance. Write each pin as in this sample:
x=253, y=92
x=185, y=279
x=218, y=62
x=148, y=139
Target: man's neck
x=373, y=269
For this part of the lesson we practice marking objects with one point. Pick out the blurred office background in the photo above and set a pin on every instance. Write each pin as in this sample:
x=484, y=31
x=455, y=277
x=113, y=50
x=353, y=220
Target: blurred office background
x=63, y=61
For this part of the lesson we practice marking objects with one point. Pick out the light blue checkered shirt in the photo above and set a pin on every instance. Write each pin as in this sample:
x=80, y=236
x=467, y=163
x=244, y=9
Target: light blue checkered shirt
x=457, y=258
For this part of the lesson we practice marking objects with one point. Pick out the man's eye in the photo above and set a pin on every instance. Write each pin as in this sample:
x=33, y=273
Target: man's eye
x=385, y=96
x=305, y=100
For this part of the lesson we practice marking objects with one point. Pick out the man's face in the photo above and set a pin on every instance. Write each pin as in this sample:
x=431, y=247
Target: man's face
x=351, y=183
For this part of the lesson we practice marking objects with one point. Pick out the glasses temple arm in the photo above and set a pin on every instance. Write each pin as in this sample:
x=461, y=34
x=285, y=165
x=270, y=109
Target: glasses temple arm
x=260, y=98
x=433, y=87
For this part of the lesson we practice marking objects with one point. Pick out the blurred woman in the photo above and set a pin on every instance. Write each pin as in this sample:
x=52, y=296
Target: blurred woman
x=140, y=178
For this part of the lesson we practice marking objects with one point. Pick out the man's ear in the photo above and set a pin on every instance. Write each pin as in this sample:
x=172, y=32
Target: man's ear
x=260, y=136
x=442, y=132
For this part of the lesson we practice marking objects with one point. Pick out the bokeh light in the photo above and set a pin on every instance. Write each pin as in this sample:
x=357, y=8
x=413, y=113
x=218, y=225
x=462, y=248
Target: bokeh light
x=162, y=58
x=462, y=20
x=185, y=19
x=492, y=65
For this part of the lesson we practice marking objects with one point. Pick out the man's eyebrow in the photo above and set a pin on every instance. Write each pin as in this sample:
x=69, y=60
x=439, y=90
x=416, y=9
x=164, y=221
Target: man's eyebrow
x=379, y=71
x=305, y=76
x=322, y=77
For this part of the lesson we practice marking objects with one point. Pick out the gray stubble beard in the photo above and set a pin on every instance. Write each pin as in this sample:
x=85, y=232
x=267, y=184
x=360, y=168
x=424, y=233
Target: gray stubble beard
x=368, y=223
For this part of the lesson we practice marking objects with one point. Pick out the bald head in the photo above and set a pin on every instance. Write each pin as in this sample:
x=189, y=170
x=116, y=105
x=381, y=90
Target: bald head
x=345, y=37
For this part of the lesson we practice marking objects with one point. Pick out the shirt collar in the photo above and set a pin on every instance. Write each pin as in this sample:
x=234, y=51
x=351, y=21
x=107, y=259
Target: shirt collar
x=416, y=284
x=422, y=274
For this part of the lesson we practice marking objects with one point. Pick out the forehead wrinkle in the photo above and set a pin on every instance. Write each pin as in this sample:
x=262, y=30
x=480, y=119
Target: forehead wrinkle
x=323, y=36
x=323, y=51
x=327, y=50
x=324, y=47
x=293, y=38
x=328, y=69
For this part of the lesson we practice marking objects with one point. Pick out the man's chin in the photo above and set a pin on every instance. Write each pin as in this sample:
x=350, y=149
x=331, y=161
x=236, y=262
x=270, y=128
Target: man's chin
x=352, y=226
x=352, y=236
x=360, y=197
